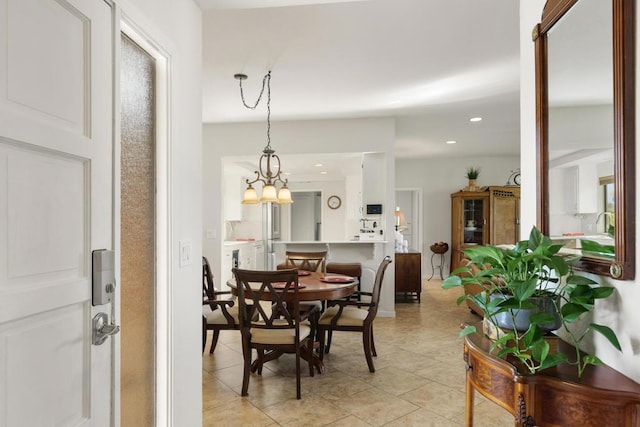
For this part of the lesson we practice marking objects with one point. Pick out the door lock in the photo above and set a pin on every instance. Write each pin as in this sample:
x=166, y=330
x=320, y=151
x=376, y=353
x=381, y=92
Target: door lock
x=102, y=329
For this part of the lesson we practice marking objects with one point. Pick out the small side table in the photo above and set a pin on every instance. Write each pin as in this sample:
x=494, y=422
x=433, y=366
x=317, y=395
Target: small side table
x=438, y=261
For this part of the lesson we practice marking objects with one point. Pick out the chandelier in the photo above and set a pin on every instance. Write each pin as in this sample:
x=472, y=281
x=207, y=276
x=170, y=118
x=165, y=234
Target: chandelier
x=268, y=172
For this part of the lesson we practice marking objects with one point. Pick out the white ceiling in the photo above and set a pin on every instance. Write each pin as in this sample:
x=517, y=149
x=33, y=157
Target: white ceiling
x=432, y=64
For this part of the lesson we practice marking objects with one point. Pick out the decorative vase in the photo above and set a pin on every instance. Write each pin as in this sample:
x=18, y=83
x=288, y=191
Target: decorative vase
x=544, y=304
x=472, y=185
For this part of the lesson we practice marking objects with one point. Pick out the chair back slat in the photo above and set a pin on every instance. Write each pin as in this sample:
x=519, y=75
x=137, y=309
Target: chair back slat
x=311, y=261
x=260, y=286
x=208, y=288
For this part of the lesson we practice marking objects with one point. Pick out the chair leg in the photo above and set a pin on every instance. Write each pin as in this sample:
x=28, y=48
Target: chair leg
x=260, y=361
x=214, y=340
x=246, y=374
x=373, y=344
x=298, y=393
x=321, y=340
x=366, y=341
x=310, y=347
x=204, y=333
x=329, y=336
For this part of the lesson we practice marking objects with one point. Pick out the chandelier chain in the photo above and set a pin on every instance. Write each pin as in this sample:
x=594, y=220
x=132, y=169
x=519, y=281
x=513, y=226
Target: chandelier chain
x=266, y=82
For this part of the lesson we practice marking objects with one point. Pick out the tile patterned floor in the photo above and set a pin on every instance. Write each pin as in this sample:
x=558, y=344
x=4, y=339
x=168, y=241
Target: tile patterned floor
x=419, y=378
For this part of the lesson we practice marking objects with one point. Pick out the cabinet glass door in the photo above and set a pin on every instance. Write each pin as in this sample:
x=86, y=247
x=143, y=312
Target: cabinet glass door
x=473, y=221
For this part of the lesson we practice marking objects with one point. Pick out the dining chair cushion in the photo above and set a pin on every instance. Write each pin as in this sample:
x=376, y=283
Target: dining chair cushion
x=350, y=316
x=216, y=317
x=279, y=336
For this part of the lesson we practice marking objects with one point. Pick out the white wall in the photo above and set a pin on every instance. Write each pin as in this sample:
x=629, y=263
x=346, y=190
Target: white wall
x=293, y=137
x=158, y=20
x=439, y=178
x=621, y=311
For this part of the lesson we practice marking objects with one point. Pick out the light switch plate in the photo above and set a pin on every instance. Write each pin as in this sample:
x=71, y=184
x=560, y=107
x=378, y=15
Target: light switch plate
x=185, y=253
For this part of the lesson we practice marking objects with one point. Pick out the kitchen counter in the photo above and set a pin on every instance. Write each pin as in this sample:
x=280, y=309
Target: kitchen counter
x=327, y=242
x=240, y=242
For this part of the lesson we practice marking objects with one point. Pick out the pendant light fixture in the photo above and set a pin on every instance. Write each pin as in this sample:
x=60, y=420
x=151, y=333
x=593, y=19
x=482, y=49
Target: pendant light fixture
x=268, y=172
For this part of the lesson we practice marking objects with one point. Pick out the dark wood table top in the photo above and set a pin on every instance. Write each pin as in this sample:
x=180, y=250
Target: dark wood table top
x=315, y=288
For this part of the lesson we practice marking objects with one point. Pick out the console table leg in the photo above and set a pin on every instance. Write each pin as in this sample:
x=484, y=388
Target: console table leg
x=468, y=405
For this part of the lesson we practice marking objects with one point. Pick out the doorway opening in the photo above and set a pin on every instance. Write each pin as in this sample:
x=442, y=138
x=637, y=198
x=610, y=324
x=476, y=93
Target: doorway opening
x=306, y=216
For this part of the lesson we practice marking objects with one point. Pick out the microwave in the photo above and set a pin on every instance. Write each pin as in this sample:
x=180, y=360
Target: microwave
x=374, y=209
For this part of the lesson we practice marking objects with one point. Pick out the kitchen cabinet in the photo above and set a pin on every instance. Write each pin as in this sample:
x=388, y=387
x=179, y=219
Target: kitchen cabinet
x=408, y=274
x=491, y=216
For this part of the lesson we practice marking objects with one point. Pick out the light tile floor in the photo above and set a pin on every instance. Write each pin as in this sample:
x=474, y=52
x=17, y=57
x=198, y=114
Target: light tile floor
x=419, y=378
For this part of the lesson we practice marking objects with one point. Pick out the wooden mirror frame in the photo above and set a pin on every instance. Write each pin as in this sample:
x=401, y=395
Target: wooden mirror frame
x=623, y=266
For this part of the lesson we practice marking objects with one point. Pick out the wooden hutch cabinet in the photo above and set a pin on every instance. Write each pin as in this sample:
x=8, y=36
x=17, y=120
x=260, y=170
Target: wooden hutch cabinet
x=487, y=217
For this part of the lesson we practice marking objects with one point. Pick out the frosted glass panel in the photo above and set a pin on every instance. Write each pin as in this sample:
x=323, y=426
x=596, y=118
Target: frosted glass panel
x=137, y=234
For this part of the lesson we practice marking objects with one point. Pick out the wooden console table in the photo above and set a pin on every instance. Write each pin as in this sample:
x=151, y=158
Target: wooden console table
x=408, y=266
x=554, y=397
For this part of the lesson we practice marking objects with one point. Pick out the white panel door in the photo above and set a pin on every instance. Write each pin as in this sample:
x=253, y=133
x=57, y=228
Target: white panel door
x=56, y=206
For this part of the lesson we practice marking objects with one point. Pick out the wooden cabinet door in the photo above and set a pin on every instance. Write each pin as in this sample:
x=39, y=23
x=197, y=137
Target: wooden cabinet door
x=504, y=217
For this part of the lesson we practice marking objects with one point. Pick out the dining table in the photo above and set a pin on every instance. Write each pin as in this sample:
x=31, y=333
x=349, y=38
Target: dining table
x=313, y=286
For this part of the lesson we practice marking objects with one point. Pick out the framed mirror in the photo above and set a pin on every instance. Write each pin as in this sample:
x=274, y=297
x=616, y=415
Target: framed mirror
x=585, y=97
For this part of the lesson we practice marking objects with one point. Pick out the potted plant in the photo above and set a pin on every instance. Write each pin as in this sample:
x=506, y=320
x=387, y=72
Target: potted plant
x=516, y=283
x=472, y=174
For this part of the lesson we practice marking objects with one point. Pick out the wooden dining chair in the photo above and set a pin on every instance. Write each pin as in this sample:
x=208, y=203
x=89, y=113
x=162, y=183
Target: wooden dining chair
x=354, y=316
x=277, y=327
x=310, y=261
x=219, y=310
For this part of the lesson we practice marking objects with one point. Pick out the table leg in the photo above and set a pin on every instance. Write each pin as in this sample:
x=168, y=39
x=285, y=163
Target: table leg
x=468, y=407
x=433, y=269
x=305, y=353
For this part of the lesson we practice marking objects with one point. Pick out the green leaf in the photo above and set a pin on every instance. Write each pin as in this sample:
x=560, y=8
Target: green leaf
x=591, y=359
x=608, y=333
x=597, y=248
x=603, y=292
x=574, y=279
x=503, y=339
x=535, y=238
x=470, y=329
x=540, y=351
x=553, y=359
x=451, y=282
x=524, y=290
x=541, y=318
x=533, y=336
x=507, y=350
x=461, y=299
x=570, y=311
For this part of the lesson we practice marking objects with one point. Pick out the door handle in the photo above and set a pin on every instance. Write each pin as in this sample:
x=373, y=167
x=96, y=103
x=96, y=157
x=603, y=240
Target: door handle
x=102, y=329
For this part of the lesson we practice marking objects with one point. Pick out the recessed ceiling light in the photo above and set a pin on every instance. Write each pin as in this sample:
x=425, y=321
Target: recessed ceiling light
x=323, y=173
x=475, y=119
x=318, y=165
x=451, y=142
x=286, y=173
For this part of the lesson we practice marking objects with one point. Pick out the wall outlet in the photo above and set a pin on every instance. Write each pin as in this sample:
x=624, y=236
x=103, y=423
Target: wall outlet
x=185, y=253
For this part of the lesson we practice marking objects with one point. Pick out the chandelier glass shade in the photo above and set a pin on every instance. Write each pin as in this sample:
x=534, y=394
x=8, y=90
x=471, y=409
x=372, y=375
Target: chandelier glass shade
x=268, y=172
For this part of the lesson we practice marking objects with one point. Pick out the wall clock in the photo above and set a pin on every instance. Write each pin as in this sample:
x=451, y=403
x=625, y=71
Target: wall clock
x=514, y=178
x=334, y=202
